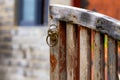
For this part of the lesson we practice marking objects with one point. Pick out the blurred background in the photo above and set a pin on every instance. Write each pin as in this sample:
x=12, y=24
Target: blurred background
x=24, y=54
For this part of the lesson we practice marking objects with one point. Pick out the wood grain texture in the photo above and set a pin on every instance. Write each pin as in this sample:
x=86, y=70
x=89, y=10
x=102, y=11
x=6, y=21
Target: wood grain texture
x=62, y=51
x=71, y=57
x=54, y=62
x=58, y=56
x=112, y=59
x=85, y=54
x=98, y=61
x=87, y=18
x=72, y=54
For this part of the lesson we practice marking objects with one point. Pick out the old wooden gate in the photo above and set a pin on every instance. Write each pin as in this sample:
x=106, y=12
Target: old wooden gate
x=77, y=49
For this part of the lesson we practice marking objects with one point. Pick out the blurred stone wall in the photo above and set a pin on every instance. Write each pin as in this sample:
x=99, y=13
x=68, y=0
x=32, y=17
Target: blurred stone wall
x=62, y=2
x=7, y=12
x=24, y=54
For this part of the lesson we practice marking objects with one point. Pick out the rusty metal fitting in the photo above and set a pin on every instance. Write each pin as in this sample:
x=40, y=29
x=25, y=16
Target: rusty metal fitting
x=52, y=37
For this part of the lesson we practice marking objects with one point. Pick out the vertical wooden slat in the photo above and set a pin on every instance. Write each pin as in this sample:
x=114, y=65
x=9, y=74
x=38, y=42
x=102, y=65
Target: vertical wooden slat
x=58, y=56
x=72, y=54
x=62, y=53
x=92, y=54
x=98, y=56
x=106, y=57
x=112, y=59
x=118, y=59
x=54, y=62
x=85, y=54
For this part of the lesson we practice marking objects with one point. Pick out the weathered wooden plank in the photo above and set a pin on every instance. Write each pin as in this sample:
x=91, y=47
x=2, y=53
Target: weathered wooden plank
x=58, y=56
x=72, y=55
x=87, y=18
x=98, y=56
x=92, y=54
x=106, y=57
x=67, y=50
x=112, y=59
x=85, y=54
x=62, y=53
x=54, y=62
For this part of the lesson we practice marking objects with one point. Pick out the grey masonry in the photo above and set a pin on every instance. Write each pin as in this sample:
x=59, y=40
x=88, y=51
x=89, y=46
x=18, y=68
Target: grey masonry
x=24, y=54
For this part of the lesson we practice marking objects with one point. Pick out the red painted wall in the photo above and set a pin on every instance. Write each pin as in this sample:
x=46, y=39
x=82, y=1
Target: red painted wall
x=108, y=7
x=76, y=3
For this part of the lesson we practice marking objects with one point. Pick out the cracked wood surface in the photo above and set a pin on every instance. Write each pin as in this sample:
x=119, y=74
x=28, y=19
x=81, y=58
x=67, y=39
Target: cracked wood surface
x=87, y=18
x=73, y=57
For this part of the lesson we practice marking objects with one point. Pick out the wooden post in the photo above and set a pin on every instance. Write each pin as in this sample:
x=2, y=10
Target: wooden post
x=112, y=59
x=85, y=54
x=72, y=54
x=98, y=56
x=58, y=56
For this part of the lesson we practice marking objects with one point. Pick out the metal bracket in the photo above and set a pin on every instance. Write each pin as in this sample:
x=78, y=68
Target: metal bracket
x=52, y=37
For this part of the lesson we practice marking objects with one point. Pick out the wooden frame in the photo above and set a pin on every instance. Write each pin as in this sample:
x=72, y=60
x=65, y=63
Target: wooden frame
x=80, y=51
x=87, y=18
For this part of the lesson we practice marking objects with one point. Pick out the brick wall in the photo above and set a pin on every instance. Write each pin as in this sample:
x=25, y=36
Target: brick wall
x=6, y=12
x=24, y=54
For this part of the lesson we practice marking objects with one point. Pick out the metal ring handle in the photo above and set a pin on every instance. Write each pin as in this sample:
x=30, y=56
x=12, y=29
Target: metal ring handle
x=52, y=43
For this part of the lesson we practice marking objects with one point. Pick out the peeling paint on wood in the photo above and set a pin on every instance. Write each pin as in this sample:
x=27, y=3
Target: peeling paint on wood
x=53, y=62
x=58, y=55
x=54, y=58
x=86, y=18
x=71, y=57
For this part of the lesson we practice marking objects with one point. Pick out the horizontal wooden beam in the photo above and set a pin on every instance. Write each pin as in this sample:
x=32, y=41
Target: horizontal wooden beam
x=87, y=18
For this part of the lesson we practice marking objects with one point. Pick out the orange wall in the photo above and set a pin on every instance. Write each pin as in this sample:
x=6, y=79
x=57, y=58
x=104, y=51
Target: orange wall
x=108, y=7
